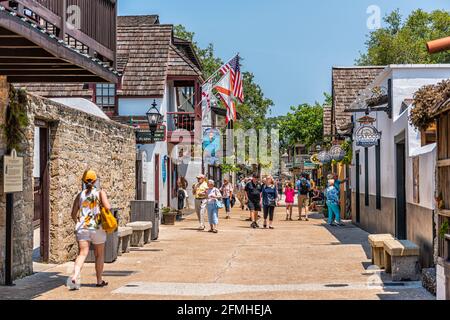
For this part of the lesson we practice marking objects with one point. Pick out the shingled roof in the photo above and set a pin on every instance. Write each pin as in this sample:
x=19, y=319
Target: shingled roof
x=347, y=83
x=147, y=54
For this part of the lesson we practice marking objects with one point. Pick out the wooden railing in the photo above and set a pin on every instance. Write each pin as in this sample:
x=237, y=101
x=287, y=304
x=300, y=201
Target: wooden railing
x=97, y=22
x=181, y=121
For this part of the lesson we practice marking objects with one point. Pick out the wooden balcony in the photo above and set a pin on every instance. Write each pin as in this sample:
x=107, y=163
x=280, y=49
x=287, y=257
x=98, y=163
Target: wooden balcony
x=179, y=124
x=38, y=43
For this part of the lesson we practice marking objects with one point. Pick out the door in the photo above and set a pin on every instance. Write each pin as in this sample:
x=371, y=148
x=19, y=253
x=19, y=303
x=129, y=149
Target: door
x=400, y=219
x=157, y=175
x=169, y=178
x=358, y=188
x=41, y=191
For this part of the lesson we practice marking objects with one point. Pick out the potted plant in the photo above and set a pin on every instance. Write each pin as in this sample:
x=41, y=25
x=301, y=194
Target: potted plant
x=169, y=216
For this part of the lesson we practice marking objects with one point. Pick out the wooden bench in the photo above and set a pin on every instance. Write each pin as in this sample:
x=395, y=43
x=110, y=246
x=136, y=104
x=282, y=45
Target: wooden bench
x=402, y=260
x=124, y=234
x=141, y=233
x=376, y=242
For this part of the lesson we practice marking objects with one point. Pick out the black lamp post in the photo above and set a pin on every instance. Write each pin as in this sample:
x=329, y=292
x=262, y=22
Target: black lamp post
x=154, y=118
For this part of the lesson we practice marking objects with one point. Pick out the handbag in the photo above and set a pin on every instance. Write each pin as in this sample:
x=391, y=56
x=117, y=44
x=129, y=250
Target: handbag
x=219, y=204
x=109, y=222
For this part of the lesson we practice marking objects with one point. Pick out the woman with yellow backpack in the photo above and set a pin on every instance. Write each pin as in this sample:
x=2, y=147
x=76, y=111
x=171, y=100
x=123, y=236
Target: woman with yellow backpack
x=93, y=218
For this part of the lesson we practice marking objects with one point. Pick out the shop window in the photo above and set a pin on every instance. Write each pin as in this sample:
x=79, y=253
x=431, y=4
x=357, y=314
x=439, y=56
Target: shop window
x=429, y=135
x=105, y=97
x=416, y=180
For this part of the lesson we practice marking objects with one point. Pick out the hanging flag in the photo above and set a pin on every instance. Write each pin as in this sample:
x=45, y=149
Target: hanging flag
x=234, y=67
x=224, y=89
x=206, y=96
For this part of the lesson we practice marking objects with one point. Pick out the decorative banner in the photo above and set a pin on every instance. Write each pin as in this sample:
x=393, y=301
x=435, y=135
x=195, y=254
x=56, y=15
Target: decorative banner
x=367, y=136
x=337, y=153
x=164, y=169
x=324, y=157
x=211, y=146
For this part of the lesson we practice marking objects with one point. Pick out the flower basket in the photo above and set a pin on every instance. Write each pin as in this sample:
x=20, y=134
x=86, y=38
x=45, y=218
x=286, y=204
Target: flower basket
x=168, y=216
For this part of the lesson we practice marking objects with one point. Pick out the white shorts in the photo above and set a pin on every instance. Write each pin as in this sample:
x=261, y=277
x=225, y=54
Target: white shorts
x=94, y=236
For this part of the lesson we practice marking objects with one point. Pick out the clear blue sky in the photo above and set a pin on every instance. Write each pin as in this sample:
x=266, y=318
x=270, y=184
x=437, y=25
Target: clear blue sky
x=290, y=45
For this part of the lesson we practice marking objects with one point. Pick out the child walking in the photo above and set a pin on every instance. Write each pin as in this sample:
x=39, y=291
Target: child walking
x=289, y=191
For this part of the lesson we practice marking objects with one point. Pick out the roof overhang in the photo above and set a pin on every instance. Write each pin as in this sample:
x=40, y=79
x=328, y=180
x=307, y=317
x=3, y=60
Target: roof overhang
x=29, y=54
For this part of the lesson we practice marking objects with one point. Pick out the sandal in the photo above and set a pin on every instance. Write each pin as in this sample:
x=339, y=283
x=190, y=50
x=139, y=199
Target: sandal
x=215, y=231
x=103, y=284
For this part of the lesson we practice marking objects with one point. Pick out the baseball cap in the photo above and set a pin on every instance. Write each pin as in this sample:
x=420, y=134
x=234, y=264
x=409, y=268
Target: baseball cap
x=89, y=175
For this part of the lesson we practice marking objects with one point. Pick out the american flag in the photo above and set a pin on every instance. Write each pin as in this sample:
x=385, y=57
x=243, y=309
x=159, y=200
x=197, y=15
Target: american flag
x=236, y=77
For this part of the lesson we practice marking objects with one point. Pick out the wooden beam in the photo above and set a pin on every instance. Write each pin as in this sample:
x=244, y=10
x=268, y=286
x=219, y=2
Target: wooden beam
x=47, y=73
x=35, y=53
x=55, y=79
x=42, y=11
x=37, y=62
x=16, y=42
x=443, y=163
x=54, y=67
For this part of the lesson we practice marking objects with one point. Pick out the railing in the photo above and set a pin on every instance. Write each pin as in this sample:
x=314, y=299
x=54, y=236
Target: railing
x=86, y=33
x=181, y=121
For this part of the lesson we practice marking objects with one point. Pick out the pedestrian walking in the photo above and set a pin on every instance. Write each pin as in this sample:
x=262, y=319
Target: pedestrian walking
x=86, y=213
x=270, y=199
x=303, y=187
x=201, y=198
x=241, y=192
x=214, y=204
x=253, y=190
x=334, y=212
x=181, y=195
x=289, y=192
x=279, y=185
x=227, y=193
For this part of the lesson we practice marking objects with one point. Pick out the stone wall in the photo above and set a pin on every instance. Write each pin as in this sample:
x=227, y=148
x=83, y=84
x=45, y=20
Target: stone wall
x=3, y=104
x=78, y=141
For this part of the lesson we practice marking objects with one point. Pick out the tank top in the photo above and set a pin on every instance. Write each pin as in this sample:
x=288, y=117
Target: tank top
x=89, y=210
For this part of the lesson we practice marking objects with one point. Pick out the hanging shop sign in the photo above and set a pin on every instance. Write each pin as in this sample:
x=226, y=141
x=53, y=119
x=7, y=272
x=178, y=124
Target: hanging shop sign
x=148, y=137
x=367, y=136
x=337, y=153
x=324, y=157
x=211, y=146
x=12, y=173
x=315, y=159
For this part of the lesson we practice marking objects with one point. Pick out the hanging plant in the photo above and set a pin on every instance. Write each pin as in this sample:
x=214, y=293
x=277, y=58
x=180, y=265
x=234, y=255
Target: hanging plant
x=16, y=119
x=445, y=228
x=427, y=101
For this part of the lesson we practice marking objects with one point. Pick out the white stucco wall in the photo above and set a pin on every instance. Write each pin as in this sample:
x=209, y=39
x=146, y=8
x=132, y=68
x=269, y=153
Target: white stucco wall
x=139, y=106
x=406, y=81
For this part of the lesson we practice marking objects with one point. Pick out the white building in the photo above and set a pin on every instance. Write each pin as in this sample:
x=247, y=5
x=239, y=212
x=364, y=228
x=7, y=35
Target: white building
x=393, y=184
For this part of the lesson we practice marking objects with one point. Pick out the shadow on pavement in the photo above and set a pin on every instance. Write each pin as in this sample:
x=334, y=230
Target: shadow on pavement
x=33, y=286
x=351, y=235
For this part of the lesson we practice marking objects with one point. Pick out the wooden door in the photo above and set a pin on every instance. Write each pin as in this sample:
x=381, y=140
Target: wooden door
x=358, y=188
x=42, y=188
x=401, y=231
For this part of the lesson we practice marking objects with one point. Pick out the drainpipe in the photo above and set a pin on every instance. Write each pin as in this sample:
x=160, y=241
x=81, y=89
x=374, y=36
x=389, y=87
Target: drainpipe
x=439, y=45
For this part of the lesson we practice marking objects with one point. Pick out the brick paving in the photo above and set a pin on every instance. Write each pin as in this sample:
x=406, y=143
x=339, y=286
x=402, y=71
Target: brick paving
x=297, y=260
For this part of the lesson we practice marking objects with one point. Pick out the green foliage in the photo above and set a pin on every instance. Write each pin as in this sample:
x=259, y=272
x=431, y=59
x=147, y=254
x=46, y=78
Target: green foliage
x=229, y=168
x=404, y=42
x=348, y=148
x=16, y=119
x=445, y=228
x=303, y=125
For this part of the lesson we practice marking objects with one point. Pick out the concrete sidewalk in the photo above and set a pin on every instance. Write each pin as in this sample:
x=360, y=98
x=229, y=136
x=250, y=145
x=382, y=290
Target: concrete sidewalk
x=297, y=260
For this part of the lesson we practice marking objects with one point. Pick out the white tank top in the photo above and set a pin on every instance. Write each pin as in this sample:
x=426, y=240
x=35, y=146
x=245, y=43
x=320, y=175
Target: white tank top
x=89, y=213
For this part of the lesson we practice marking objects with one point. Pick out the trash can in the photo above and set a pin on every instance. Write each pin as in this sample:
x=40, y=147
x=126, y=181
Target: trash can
x=146, y=211
x=111, y=245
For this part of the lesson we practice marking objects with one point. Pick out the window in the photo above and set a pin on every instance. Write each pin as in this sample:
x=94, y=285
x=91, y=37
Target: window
x=429, y=135
x=105, y=97
x=378, y=174
x=416, y=180
x=366, y=176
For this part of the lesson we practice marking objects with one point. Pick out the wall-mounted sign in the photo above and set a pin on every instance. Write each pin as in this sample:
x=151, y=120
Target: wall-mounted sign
x=324, y=157
x=315, y=159
x=337, y=153
x=12, y=173
x=367, y=136
x=147, y=137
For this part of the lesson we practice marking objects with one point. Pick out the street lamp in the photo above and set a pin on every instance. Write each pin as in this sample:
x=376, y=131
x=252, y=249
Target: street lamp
x=154, y=118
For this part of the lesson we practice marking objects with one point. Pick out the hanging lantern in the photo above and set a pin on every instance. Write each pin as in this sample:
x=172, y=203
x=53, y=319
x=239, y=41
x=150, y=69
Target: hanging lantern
x=324, y=157
x=367, y=136
x=337, y=153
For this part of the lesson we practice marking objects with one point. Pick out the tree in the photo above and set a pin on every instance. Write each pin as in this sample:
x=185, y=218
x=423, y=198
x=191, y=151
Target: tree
x=304, y=124
x=404, y=42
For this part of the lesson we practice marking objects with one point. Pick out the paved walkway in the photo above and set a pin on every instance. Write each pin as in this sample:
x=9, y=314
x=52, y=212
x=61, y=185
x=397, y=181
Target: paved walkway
x=297, y=260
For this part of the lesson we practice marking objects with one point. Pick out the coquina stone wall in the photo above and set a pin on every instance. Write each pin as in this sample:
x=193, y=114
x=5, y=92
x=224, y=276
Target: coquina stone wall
x=78, y=141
